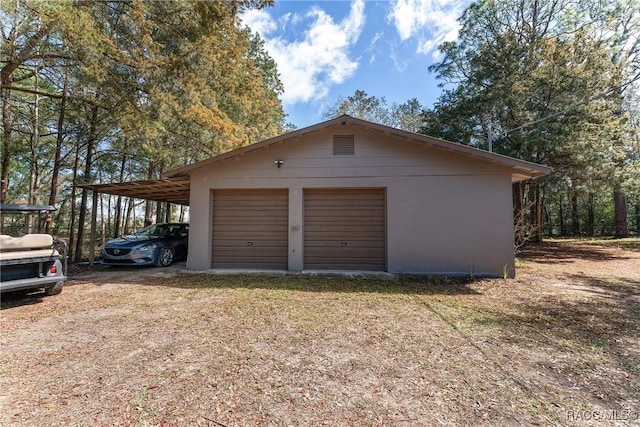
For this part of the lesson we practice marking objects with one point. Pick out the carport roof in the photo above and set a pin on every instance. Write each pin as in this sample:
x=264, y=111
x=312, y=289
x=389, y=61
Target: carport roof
x=175, y=190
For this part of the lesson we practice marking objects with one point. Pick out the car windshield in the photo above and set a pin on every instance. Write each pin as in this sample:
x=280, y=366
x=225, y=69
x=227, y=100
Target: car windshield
x=159, y=230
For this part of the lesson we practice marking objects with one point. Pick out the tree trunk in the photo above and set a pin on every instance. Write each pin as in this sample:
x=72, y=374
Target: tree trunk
x=518, y=195
x=148, y=213
x=547, y=220
x=130, y=206
x=130, y=216
x=72, y=222
x=92, y=233
x=81, y=220
x=620, y=203
x=35, y=140
x=575, y=217
x=168, y=212
x=637, y=215
x=591, y=216
x=103, y=222
x=117, y=217
x=59, y=219
x=563, y=227
x=148, y=210
x=119, y=210
x=57, y=160
x=159, y=216
x=6, y=146
x=538, y=214
x=91, y=141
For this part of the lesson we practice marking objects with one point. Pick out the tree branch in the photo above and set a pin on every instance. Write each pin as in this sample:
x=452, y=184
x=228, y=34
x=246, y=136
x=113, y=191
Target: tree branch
x=29, y=46
x=31, y=91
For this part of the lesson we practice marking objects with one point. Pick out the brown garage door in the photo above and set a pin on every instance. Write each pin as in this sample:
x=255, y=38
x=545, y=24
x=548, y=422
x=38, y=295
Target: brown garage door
x=344, y=229
x=250, y=229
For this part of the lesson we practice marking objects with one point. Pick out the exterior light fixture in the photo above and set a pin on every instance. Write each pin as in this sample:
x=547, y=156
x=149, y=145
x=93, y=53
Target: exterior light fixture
x=279, y=163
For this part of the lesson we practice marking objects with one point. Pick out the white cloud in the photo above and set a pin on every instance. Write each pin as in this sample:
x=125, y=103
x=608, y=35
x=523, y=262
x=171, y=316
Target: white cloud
x=398, y=63
x=372, y=46
x=309, y=65
x=430, y=22
x=259, y=20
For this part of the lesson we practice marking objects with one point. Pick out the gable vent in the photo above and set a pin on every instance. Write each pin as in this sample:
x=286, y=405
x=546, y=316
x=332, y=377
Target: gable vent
x=343, y=145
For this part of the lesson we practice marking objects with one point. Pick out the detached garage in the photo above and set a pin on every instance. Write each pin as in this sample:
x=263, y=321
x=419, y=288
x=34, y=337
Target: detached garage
x=347, y=194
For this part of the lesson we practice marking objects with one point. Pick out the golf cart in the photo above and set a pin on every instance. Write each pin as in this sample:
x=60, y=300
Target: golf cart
x=28, y=258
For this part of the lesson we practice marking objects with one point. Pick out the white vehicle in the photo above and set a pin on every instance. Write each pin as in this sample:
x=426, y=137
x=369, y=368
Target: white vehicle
x=32, y=260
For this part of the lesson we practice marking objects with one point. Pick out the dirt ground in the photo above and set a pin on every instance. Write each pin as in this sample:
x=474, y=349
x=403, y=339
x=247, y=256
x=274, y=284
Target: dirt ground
x=558, y=345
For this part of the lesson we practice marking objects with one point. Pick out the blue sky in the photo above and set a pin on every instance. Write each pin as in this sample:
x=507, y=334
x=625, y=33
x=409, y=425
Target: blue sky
x=326, y=50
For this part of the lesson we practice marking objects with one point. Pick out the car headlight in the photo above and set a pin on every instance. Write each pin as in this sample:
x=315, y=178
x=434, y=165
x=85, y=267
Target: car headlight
x=147, y=248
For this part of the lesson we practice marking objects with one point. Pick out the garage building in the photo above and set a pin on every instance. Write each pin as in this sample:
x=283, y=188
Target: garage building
x=348, y=194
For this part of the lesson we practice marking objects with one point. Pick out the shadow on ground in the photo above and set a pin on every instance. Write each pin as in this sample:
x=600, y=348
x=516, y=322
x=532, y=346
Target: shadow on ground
x=619, y=289
x=410, y=285
x=178, y=278
x=595, y=337
x=21, y=298
x=558, y=252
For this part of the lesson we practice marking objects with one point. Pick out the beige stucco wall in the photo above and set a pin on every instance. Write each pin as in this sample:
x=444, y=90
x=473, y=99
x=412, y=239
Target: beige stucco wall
x=446, y=213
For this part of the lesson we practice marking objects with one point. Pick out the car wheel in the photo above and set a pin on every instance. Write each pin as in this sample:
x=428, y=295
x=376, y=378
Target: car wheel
x=165, y=257
x=55, y=289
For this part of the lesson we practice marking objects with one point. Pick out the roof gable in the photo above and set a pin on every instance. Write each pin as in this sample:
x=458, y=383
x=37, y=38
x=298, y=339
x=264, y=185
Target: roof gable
x=520, y=169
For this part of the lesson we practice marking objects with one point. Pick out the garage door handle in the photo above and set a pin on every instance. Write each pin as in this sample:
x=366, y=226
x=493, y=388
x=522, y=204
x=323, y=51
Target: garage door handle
x=249, y=243
x=343, y=243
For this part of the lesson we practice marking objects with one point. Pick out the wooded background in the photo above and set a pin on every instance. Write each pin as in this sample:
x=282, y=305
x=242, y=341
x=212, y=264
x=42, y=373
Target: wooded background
x=113, y=91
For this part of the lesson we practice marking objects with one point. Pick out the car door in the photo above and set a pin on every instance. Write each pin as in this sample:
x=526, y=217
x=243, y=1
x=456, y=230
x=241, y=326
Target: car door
x=182, y=241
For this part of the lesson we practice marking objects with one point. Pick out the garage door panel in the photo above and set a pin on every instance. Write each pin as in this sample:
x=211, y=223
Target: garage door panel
x=345, y=229
x=329, y=238
x=355, y=198
x=321, y=205
x=265, y=214
x=354, y=262
x=352, y=244
x=239, y=213
x=266, y=206
x=350, y=253
x=355, y=251
x=237, y=253
x=266, y=228
x=233, y=242
x=354, y=194
x=360, y=265
x=250, y=229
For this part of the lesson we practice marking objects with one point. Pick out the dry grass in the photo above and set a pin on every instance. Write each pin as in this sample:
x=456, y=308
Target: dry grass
x=151, y=348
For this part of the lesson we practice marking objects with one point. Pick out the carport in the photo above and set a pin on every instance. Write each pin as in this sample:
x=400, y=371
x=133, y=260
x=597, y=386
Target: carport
x=174, y=191
x=170, y=190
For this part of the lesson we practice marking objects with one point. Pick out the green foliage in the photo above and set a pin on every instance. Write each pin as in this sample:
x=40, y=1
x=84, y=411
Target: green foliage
x=547, y=82
x=362, y=106
x=407, y=116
